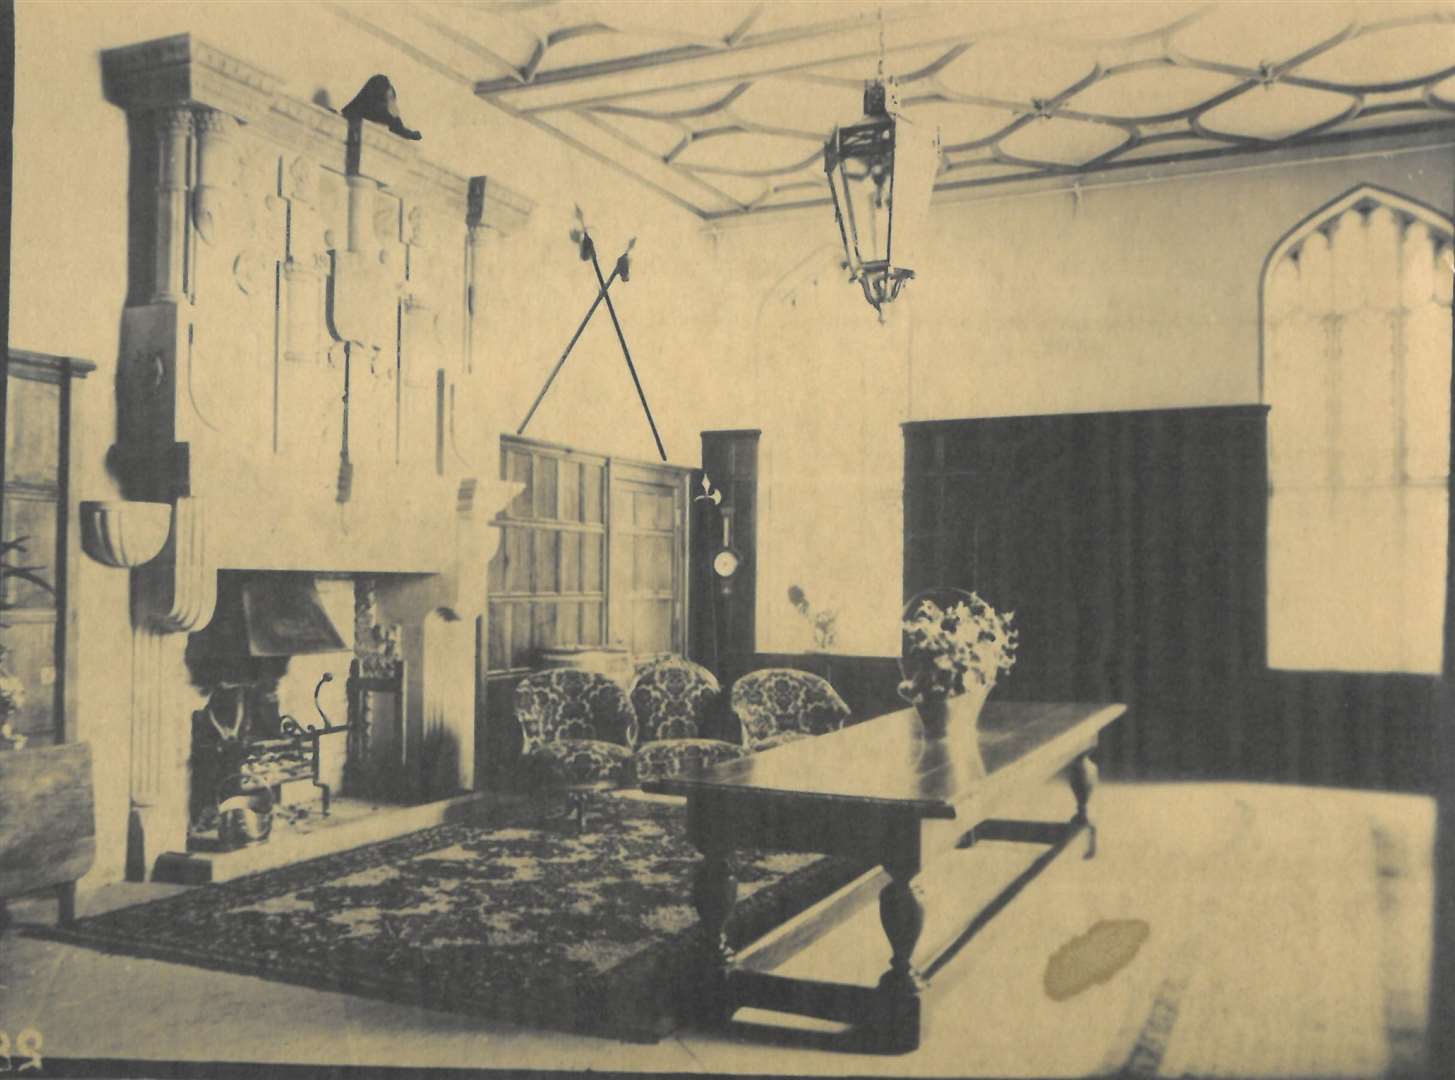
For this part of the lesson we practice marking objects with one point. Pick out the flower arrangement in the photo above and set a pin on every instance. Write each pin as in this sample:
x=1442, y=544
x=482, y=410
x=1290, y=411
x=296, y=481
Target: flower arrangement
x=824, y=622
x=951, y=636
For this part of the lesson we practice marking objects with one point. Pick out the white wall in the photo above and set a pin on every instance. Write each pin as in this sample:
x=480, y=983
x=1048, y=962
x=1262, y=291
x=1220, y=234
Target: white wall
x=1135, y=295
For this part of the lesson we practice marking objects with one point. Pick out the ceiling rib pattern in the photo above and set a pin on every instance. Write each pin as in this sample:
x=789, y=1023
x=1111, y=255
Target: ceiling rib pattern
x=725, y=107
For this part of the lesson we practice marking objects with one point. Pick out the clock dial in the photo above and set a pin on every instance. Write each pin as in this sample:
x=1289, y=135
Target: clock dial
x=725, y=563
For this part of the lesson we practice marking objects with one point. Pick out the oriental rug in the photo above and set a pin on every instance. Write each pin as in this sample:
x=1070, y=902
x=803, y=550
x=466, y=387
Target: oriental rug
x=510, y=916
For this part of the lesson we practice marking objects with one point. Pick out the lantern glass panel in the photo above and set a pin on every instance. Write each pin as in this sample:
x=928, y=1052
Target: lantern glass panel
x=916, y=162
x=859, y=162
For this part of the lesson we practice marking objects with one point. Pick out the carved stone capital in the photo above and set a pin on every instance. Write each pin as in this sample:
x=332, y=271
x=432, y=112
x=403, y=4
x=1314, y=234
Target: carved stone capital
x=169, y=122
x=211, y=122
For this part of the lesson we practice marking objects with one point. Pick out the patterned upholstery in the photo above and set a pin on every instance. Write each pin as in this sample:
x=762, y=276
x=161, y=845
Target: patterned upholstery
x=578, y=729
x=779, y=705
x=672, y=757
x=672, y=698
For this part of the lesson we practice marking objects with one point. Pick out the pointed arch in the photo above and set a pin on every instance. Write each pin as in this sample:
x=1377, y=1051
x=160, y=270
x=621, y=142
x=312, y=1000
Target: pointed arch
x=1361, y=196
x=1356, y=368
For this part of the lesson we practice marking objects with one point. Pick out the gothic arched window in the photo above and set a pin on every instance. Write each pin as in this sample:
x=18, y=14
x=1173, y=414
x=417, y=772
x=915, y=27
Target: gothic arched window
x=1356, y=346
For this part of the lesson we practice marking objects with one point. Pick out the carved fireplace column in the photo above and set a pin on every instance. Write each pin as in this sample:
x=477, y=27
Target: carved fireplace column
x=183, y=102
x=437, y=616
x=172, y=595
x=171, y=132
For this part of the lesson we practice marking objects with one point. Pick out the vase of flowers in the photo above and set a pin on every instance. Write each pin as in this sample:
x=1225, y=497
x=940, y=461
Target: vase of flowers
x=955, y=648
x=823, y=621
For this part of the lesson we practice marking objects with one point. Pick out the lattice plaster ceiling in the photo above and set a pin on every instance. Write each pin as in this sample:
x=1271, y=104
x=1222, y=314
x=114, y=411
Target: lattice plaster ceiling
x=724, y=106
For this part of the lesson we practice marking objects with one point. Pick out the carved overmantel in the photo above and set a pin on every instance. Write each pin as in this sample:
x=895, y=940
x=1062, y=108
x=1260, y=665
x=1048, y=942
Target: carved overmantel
x=299, y=381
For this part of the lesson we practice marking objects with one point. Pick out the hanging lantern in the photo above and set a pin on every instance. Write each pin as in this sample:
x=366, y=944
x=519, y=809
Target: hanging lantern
x=881, y=170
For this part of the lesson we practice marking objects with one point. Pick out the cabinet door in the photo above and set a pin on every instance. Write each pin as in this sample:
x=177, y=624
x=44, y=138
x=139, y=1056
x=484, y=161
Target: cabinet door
x=547, y=585
x=38, y=622
x=648, y=542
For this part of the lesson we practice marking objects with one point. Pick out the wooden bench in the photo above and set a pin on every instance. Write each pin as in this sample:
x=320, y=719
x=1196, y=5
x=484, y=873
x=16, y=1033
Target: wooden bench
x=47, y=823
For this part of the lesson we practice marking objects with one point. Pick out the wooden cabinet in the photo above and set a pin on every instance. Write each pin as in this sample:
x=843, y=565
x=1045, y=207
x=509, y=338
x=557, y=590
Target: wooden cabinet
x=723, y=612
x=547, y=582
x=593, y=552
x=647, y=606
x=40, y=624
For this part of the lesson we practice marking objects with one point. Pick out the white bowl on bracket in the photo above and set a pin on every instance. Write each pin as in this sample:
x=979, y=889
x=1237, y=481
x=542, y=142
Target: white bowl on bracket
x=124, y=532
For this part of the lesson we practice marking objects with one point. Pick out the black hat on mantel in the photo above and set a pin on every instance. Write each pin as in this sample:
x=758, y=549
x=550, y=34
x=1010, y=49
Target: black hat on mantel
x=377, y=102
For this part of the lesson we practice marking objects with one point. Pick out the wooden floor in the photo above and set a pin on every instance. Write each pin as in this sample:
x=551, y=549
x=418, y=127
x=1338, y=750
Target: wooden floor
x=1287, y=933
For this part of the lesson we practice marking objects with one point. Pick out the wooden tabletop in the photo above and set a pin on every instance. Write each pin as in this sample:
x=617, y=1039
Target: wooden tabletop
x=887, y=759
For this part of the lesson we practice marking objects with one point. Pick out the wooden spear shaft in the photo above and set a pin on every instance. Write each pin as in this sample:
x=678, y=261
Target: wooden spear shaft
x=604, y=285
x=611, y=310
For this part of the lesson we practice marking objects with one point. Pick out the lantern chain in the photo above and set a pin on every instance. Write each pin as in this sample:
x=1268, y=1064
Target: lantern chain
x=881, y=43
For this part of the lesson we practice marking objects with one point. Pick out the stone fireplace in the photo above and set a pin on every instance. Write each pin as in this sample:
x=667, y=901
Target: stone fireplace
x=273, y=666
x=300, y=399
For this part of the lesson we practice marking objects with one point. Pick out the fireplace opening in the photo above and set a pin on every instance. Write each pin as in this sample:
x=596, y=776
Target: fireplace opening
x=291, y=670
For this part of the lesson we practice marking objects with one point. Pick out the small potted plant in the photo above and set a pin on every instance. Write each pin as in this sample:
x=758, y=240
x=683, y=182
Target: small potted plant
x=955, y=647
x=823, y=621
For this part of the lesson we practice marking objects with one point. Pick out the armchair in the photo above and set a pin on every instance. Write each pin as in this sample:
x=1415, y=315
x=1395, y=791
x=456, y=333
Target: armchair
x=779, y=705
x=578, y=730
x=673, y=698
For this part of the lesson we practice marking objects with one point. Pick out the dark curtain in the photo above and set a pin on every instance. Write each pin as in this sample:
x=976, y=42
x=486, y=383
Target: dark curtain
x=1132, y=548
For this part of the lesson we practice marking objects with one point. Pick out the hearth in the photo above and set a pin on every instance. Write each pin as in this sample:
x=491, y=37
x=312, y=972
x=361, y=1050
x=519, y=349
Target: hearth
x=249, y=754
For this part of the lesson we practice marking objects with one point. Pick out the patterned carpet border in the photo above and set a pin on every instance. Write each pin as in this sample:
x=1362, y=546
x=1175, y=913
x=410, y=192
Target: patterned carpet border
x=640, y=999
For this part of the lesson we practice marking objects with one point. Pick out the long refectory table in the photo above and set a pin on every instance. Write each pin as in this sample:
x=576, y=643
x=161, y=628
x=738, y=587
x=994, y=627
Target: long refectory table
x=867, y=793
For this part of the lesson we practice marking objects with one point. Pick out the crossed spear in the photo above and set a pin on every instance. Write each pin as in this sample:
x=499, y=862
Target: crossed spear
x=622, y=269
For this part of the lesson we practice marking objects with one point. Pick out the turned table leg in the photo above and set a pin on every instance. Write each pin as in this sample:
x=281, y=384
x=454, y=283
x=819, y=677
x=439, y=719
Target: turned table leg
x=1083, y=782
x=714, y=893
x=902, y=914
x=66, y=903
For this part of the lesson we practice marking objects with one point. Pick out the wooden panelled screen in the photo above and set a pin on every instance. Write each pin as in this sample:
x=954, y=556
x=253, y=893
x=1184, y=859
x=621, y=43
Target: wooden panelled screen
x=548, y=579
x=593, y=552
x=648, y=533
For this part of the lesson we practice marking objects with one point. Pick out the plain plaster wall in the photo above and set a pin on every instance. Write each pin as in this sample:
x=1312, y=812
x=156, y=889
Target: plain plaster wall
x=1135, y=294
